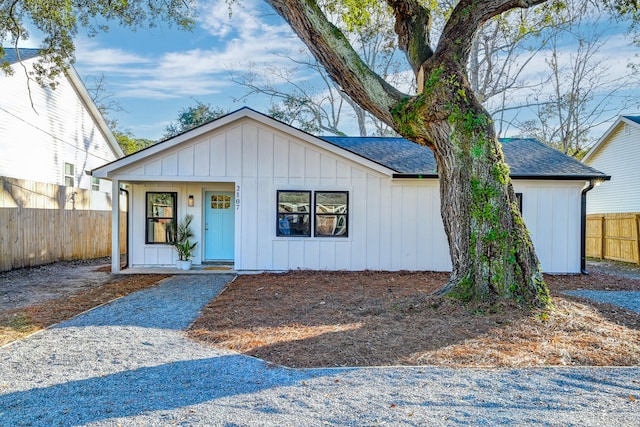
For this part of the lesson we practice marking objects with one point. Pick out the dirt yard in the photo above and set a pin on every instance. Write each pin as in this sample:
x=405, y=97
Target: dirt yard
x=312, y=319
x=34, y=298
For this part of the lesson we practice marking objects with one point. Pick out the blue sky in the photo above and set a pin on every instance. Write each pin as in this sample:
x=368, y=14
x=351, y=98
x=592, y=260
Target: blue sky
x=154, y=73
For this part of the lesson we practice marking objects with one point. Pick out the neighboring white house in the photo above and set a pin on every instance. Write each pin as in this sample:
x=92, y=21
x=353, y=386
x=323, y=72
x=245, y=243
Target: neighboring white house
x=617, y=152
x=51, y=135
x=266, y=196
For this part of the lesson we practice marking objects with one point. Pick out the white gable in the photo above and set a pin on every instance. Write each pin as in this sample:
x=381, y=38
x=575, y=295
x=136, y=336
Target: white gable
x=250, y=145
x=616, y=154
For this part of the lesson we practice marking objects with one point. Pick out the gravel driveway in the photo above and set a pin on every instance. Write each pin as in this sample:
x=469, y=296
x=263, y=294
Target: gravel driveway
x=128, y=363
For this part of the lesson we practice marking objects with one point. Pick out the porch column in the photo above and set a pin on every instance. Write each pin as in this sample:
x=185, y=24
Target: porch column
x=115, y=226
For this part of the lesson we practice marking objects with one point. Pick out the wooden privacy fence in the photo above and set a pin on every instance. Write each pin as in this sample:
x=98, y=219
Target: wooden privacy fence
x=43, y=223
x=613, y=236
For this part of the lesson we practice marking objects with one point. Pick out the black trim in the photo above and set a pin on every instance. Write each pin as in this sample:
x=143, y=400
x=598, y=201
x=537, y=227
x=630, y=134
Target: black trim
x=316, y=215
x=583, y=227
x=174, y=218
x=536, y=177
x=284, y=216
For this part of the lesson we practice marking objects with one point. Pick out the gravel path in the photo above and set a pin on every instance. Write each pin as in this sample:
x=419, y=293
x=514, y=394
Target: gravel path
x=129, y=364
x=626, y=299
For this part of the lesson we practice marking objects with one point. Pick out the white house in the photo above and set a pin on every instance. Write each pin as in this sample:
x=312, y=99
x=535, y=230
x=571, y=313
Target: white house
x=618, y=151
x=266, y=196
x=51, y=135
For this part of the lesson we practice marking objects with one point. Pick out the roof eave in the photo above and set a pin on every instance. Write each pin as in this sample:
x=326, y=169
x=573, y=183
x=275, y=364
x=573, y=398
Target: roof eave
x=515, y=176
x=109, y=169
x=600, y=142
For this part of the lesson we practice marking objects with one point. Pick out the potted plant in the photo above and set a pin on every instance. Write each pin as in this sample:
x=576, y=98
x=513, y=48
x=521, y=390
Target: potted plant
x=183, y=246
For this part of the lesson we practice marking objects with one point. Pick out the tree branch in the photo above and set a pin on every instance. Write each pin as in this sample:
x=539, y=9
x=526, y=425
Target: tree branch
x=467, y=18
x=413, y=23
x=332, y=49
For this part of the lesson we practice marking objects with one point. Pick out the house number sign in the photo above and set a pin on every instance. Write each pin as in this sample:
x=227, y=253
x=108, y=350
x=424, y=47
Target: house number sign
x=237, y=197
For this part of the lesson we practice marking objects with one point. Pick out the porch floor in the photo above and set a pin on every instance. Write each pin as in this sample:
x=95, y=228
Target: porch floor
x=195, y=269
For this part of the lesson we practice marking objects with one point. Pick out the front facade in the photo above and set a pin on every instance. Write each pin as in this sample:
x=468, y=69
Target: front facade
x=51, y=135
x=618, y=150
x=268, y=197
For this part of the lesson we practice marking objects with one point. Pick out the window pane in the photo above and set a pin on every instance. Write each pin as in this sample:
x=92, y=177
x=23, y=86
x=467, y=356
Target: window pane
x=331, y=202
x=161, y=217
x=69, y=169
x=294, y=225
x=294, y=201
x=159, y=230
x=68, y=181
x=294, y=217
x=160, y=205
x=331, y=208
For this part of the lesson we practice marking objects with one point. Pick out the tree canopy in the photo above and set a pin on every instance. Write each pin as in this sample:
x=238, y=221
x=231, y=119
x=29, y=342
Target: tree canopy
x=193, y=116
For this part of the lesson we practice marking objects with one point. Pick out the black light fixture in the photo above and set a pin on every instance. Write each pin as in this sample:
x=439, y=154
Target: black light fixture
x=190, y=200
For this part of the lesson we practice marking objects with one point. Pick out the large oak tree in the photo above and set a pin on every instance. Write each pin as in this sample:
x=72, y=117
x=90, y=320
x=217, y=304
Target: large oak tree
x=491, y=252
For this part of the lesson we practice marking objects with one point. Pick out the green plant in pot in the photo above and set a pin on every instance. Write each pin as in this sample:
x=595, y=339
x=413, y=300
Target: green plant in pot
x=184, y=247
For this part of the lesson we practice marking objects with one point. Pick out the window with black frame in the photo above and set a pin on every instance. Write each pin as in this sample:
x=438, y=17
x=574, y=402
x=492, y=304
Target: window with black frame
x=294, y=215
x=331, y=213
x=161, y=217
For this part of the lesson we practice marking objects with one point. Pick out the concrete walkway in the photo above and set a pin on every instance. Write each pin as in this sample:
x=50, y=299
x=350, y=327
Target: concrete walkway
x=129, y=364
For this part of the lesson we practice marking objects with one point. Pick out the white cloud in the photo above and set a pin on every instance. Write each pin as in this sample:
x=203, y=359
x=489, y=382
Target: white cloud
x=236, y=43
x=245, y=19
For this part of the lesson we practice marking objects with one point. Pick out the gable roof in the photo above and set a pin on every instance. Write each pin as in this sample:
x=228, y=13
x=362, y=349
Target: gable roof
x=526, y=157
x=398, y=157
x=112, y=168
x=11, y=56
x=633, y=120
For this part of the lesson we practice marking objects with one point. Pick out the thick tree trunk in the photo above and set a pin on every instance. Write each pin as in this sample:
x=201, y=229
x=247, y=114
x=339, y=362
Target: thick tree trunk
x=491, y=252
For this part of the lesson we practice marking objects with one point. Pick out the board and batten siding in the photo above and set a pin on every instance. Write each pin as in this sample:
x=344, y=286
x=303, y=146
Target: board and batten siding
x=393, y=224
x=618, y=157
x=551, y=212
x=36, y=140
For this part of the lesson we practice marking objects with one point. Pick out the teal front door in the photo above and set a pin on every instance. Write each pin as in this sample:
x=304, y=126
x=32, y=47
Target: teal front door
x=219, y=226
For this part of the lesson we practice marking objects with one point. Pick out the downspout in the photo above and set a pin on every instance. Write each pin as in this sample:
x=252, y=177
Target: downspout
x=126, y=226
x=583, y=227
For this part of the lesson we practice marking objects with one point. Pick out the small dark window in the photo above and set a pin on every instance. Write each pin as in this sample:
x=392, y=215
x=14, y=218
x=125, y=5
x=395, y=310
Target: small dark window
x=519, y=197
x=161, y=217
x=294, y=216
x=331, y=209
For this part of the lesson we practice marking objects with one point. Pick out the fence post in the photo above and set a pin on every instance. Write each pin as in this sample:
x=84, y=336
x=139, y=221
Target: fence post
x=637, y=221
x=603, y=237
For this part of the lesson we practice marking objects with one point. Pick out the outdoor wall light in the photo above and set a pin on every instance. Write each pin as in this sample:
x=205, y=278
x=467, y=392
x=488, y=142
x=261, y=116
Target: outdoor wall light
x=190, y=200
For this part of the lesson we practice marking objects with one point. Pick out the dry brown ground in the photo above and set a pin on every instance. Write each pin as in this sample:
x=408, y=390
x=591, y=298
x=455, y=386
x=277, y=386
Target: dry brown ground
x=16, y=323
x=323, y=319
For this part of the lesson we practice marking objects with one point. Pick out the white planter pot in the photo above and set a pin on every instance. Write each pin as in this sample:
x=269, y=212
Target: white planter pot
x=184, y=265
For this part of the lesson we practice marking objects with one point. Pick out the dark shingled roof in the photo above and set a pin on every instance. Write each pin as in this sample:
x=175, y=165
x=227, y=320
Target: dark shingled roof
x=633, y=118
x=11, y=56
x=527, y=158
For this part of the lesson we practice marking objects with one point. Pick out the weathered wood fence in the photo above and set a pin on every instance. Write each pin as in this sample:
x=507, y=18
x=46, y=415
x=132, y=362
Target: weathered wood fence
x=614, y=236
x=43, y=223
